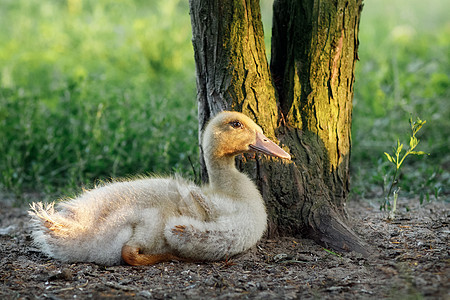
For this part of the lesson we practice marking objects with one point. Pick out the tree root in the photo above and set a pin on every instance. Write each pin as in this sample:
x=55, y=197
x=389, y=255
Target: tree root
x=327, y=228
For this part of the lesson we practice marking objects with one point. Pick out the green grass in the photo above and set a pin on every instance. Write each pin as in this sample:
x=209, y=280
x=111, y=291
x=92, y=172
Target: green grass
x=96, y=89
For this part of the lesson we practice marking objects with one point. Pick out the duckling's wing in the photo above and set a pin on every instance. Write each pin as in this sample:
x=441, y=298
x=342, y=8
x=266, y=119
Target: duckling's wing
x=235, y=230
x=192, y=202
x=194, y=239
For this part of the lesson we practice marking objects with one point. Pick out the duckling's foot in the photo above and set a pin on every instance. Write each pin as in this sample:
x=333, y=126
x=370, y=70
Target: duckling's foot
x=132, y=256
x=179, y=229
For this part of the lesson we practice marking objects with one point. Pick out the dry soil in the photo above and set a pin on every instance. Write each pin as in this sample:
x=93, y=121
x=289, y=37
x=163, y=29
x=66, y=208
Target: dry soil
x=410, y=260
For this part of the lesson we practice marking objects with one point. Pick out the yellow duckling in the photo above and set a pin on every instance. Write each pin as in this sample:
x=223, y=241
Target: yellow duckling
x=150, y=220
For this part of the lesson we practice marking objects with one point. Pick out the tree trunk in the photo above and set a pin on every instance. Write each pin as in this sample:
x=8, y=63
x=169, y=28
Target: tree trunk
x=305, y=104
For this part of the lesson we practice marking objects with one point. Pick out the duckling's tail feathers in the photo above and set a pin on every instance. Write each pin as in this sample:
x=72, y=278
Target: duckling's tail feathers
x=61, y=233
x=45, y=218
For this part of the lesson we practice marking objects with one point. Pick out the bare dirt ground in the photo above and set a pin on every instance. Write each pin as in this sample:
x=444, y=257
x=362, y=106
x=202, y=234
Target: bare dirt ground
x=411, y=261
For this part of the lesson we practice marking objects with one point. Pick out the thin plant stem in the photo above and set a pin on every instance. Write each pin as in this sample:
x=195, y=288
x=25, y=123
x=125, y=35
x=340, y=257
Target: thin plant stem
x=394, y=178
x=397, y=162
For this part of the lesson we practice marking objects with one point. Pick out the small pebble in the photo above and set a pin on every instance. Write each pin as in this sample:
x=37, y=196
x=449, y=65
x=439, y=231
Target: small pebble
x=64, y=274
x=145, y=294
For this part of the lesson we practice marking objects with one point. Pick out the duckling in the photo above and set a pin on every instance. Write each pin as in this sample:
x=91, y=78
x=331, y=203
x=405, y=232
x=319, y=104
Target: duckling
x=150, y=220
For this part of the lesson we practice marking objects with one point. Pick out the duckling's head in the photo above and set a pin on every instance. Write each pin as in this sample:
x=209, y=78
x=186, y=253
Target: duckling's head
x=231, y=133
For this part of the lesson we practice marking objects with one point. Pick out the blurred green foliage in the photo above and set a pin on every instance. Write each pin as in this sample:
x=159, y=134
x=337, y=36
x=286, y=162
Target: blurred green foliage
x=94, y=89
x=404, y=69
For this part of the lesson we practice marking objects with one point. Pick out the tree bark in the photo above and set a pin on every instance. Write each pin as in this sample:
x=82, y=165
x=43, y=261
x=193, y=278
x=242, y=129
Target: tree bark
x=304, y=100
x=232, y=69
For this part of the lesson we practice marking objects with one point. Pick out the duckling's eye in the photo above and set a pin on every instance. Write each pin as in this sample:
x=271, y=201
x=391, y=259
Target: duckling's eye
x=236, y=124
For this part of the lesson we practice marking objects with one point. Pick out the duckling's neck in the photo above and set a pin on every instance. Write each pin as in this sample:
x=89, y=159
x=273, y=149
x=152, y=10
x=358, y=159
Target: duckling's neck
x=225, y=178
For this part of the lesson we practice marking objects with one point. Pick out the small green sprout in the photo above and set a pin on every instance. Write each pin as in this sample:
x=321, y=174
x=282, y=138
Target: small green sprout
x=397, y=160
x=332, y=252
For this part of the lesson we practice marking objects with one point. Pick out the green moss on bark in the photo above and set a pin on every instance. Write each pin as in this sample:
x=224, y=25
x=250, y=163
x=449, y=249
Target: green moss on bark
x=305, y=103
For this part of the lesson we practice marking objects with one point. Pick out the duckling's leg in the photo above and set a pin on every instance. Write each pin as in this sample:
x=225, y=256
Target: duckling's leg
x=132, y=257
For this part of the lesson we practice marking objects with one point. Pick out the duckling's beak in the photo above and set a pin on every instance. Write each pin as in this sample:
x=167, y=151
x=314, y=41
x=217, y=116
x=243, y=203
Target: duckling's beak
x=266, y=146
